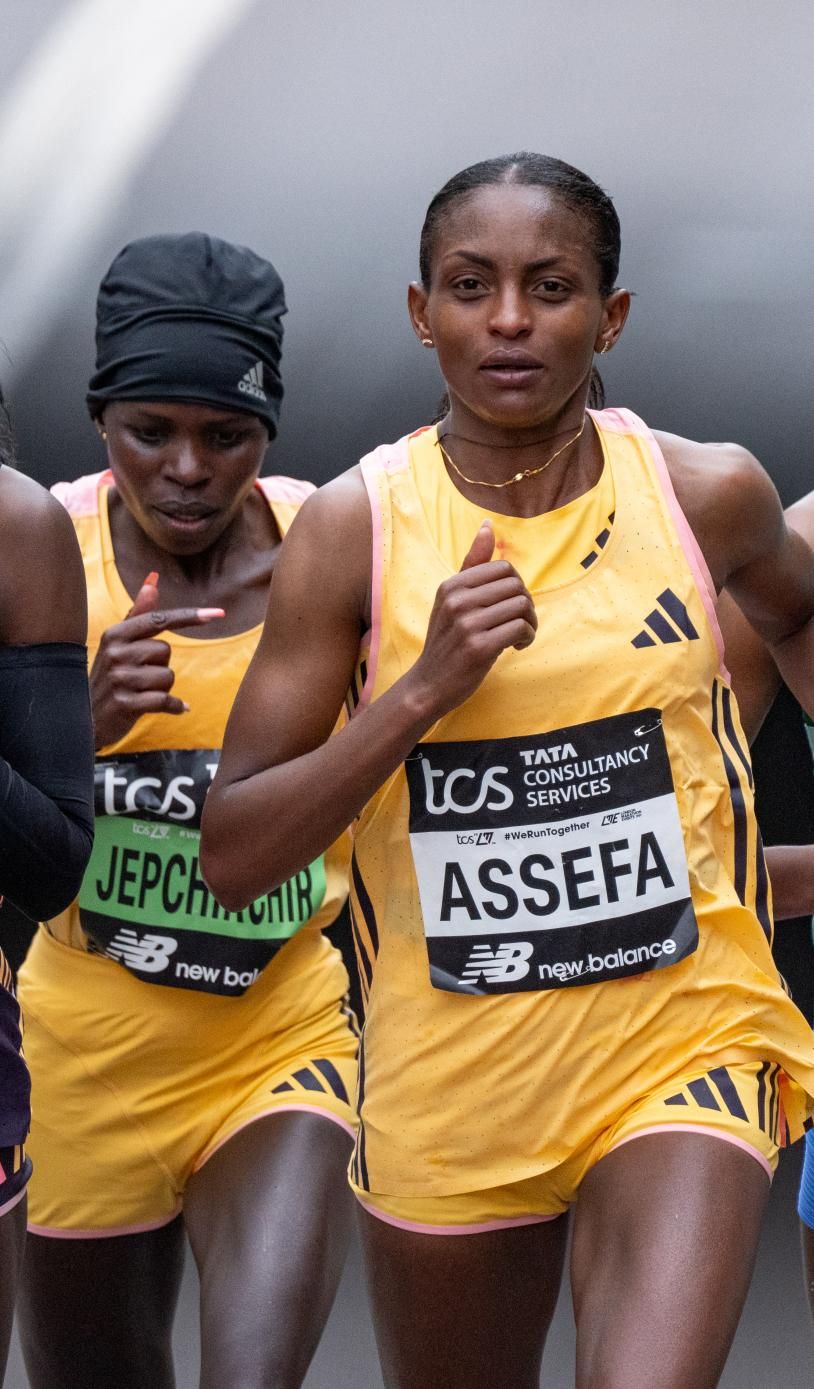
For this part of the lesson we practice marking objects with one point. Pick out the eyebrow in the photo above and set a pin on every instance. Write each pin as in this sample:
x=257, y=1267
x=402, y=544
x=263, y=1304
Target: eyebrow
x=544, y=264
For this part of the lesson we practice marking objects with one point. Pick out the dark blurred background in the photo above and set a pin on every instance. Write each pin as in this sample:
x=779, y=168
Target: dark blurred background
x=316, y=133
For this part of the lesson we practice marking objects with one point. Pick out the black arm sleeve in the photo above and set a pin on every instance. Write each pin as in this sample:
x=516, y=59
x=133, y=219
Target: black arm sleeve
x=46, y=775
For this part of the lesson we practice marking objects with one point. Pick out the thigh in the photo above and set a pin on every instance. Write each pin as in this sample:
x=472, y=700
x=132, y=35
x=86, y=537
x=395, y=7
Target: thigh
x=268, y=1218
x=99, y=1311
x=665, y=1238
x=12, y=1244
x=463, y=1311
x=805, y=1209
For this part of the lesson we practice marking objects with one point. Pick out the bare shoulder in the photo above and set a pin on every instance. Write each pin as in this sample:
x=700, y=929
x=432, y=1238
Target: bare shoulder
x=726, y=495
x=328, y=548
x=42, y=582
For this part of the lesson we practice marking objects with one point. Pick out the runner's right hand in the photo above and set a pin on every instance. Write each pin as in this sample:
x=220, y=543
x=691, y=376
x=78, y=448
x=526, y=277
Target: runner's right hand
x=479, y=612
x=131, y=675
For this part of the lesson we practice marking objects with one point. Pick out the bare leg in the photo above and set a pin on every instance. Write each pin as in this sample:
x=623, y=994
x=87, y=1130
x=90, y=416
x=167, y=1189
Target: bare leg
x=12, y=1244
x=99, y=1312
x=463, y=1311
x=268, y=1218
x=665, y=1238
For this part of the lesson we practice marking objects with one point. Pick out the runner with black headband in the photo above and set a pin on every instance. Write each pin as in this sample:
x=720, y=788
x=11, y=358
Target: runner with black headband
x=559, y=894
x=193, y=1068
x=46, y=784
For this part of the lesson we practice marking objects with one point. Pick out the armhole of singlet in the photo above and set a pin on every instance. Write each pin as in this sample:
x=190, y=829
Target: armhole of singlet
x=686, y=537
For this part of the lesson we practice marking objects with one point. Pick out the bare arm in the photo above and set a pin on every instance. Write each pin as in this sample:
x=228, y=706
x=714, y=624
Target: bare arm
x=756, y=680
x=285, y=788
x=766, y=567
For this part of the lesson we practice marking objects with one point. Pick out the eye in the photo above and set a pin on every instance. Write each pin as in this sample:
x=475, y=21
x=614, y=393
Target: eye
x=153, y=438
x=228, y=438
x=468, y=284
x=551, y=288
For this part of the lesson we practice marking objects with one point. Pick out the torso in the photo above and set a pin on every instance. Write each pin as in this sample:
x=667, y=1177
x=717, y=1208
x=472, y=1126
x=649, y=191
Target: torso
x=143, y=902
x=616, y=728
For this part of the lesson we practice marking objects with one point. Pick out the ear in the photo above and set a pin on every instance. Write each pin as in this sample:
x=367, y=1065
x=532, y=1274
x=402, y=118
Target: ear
x=417, y=308
x=614, y=316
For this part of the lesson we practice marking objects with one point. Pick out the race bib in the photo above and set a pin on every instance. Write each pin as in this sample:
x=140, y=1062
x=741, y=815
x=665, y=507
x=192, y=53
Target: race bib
x=550, y=861
x=143, y=901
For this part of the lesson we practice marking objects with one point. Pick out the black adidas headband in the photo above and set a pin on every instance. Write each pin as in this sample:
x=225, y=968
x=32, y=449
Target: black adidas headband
x=190, y=318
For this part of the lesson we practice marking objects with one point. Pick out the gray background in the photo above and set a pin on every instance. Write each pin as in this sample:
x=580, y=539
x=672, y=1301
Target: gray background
x=316, y=133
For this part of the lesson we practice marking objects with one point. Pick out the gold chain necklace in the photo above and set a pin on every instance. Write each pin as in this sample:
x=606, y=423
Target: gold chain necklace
x=518, y=477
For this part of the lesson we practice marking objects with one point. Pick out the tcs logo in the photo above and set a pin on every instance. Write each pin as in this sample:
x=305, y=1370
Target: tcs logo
x=461, y=792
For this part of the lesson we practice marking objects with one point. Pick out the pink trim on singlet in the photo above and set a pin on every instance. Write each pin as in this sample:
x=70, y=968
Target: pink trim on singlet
x=81, y=497
x=708, y=1132
x=279, y=1109
x=625, y=422
x=388, y=458
x=285, y=489
x=481, y=1229
x=141, y=1229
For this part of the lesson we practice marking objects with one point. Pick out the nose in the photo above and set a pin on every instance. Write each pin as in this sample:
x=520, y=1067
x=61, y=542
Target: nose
x=185, y=462
x=510, y=315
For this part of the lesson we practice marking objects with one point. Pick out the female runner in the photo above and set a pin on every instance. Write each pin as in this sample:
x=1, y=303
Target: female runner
x=184, y=1059
x=46, y=784
x=559, y=896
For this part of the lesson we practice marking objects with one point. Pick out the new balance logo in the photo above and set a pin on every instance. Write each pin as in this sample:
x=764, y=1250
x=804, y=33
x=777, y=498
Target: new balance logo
x=509, y=962
x=252, y=382
x=662, y=630
x=151, y=954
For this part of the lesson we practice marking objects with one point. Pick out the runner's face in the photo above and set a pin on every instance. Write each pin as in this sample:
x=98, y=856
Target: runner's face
x=514, y=308
x=183, y=471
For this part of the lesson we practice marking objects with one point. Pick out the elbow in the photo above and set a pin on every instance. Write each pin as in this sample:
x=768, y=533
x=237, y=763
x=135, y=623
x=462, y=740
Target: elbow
x=223, y=864
x=59, y=887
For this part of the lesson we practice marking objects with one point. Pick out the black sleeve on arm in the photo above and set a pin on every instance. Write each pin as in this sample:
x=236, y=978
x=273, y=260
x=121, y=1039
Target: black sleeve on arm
x=46, y=775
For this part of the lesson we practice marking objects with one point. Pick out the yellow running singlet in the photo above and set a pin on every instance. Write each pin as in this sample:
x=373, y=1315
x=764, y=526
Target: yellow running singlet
x=560, y=900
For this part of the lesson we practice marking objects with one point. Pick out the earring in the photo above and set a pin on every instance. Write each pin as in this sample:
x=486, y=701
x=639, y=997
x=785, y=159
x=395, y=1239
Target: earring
x=427, y=342
x=103, y=434
x=606, y=347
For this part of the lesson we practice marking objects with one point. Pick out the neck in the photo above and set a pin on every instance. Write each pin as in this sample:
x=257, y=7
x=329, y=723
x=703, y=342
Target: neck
x=563, y=457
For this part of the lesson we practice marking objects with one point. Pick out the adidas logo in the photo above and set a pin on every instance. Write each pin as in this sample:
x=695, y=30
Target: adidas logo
x=252, y=382
x=662, y=630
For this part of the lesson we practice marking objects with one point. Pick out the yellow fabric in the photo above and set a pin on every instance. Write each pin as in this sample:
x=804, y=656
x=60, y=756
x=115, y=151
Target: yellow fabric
x=208, y=674
x=462, y=1091
x=703, y=1109
x=134, y=1087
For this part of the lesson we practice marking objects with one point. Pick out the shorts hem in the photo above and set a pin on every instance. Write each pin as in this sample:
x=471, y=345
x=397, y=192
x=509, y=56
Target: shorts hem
x=13, y=1201
x=480, y=1228
x=277, y=1109
x=141, y=1227
x=708, y=1131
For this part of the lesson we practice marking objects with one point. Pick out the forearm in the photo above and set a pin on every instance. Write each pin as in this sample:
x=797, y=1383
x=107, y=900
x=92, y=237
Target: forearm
x=45, y=844
x=259, y=831
x=791, y=870
x=46, y=775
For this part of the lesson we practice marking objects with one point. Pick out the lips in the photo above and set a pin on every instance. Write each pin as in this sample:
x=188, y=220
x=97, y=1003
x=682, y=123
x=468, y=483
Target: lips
x=192, y=517
x=510, y=359
x=511, y=370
